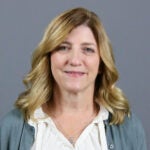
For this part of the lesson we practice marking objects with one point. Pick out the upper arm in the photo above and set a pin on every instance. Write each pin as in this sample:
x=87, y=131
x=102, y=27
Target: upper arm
x=140, y=134
x=10, y=127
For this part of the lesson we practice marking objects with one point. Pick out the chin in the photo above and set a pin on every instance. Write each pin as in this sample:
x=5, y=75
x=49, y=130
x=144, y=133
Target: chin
x=74, y=89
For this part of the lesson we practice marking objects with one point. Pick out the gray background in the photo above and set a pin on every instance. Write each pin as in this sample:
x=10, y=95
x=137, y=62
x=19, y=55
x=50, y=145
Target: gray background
x=127, y=23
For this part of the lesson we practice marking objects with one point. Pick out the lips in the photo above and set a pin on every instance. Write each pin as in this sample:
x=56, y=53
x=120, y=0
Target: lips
x=75, y=73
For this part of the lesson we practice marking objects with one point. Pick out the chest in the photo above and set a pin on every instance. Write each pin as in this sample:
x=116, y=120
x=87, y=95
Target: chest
x=88, y=139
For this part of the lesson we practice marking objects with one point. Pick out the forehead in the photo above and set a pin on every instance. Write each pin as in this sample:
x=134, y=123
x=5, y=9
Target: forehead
x=81, y=33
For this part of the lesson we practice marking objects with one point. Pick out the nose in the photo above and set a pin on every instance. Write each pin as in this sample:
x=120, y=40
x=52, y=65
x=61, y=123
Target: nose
x=75, y=58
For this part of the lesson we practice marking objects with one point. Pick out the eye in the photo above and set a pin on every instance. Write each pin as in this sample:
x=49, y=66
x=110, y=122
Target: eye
x=62, y=48
x=88, y=50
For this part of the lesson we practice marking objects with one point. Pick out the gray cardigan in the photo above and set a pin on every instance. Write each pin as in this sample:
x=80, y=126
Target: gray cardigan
x=16, y=134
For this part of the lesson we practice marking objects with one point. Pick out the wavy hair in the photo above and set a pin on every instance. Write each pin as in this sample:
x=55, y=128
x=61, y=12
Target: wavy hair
x=39, y=81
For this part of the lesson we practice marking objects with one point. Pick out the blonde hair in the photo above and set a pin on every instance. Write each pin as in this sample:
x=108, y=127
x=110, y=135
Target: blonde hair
x=39, y=81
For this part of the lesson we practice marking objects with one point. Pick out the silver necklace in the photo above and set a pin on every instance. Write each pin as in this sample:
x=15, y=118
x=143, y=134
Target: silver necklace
x=72, y=138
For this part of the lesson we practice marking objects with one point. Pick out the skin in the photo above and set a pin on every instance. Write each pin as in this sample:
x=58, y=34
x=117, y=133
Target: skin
x=74, y=67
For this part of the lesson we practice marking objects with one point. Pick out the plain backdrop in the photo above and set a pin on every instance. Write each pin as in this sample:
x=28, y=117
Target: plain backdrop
x=22, y=24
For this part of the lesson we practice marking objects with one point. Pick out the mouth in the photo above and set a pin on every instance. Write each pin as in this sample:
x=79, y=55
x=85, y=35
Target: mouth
x=75, y=73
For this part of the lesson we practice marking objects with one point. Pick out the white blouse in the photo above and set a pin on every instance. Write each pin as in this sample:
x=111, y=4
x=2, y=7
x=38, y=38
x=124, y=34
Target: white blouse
x=47, y=136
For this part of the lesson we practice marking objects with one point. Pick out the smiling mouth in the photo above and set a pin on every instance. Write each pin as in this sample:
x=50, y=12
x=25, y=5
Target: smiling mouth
x=75, y=73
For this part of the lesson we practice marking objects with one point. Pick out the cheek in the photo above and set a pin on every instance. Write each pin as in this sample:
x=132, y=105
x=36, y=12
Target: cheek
x=98, y=62
x=94, y=64
x=55, y=61
x=57, y=65
x=54, y=67
x=54, y=64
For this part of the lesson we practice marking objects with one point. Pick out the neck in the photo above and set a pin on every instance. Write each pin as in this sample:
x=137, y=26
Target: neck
x=69, y=102
x=71, y=108
x=66, y=102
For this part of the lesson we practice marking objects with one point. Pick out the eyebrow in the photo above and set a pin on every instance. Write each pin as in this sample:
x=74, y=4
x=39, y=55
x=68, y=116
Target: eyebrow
x=89, y=44
x=84, y=43
x=66, y=42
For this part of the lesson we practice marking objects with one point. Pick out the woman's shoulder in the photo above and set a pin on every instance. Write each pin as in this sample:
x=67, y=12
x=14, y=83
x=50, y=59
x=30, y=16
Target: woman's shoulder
x=130, y=134
x=133, y=130
x=132, y=122
x=13, y=125
x=11, y=119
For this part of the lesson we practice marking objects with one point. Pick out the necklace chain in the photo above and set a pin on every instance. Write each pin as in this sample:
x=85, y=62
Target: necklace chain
x=72, y=138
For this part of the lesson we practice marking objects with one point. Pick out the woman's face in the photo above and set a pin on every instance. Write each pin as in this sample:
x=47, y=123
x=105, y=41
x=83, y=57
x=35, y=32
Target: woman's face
x=75, y=62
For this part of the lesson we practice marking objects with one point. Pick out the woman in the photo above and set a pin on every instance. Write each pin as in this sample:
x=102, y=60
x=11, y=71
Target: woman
x=71, y=100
